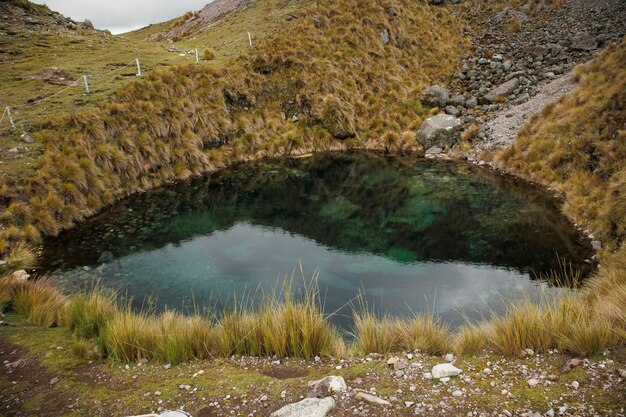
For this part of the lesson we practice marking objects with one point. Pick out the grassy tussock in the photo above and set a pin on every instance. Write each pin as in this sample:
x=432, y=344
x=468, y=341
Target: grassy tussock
x=86, y=314
x=42, y=303
x=386, y=334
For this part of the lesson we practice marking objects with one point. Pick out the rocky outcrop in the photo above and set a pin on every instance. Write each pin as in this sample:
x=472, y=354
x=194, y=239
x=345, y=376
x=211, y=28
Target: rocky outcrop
x=439, y=131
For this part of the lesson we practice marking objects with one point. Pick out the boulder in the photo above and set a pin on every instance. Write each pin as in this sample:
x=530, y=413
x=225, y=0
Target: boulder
x=439, y=131
x=323, y=387
x=444, y=370
x=502, y=90
x=435, y=96
x=309, y=407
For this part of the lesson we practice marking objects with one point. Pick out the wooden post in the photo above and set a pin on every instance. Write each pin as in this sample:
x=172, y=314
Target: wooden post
x=86, y=83
x=249, y=39
x=197, y=56
x=10, y=117
x=138, y=68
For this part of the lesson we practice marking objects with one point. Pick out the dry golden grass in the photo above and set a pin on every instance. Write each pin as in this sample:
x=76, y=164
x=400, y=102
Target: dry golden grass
x=578, y=146
x=328, y=67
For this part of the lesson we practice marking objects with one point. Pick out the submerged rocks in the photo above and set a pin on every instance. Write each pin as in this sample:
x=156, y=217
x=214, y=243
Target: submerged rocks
x=444, y=370
x=435, y=96
x=309, y=407
x=323, y=387
x=441, y=130
x=105, y=257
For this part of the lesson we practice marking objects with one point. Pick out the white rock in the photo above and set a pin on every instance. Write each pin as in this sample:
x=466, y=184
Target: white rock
x=449, y=357
x=329, y=385
x=457, y=393
x=309, y=407
x=533, y=382
x=443, y=370
x=372, y=399
x=575, y=384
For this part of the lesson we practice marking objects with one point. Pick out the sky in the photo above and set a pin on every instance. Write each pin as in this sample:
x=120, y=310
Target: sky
x=121, y=16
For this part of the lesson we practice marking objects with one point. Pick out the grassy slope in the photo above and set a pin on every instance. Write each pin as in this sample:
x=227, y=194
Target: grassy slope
x=328, y=67
x=578, y=147
x=104, y=58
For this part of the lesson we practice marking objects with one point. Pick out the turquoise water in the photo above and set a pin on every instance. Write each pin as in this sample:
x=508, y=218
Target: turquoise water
x=412, y=234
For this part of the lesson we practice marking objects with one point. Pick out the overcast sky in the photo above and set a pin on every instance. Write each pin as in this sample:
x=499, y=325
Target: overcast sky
x=123, y=15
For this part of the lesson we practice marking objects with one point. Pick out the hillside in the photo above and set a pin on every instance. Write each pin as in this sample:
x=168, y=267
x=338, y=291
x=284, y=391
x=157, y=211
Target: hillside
x=44, y=55
x=341, y=75
x=578, y=147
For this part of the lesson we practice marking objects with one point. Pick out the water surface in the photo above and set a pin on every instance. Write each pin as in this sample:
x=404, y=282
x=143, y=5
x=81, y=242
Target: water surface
x=414, y=235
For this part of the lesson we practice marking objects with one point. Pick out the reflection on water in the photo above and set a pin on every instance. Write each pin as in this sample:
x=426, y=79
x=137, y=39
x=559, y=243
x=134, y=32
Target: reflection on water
x=415, y=235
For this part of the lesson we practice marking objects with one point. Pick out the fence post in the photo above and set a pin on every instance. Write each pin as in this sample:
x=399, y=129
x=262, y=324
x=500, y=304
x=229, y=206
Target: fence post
x=197, y=56
x=86, y=83
x=10, y=117
x=249, y=39
x=138, y=68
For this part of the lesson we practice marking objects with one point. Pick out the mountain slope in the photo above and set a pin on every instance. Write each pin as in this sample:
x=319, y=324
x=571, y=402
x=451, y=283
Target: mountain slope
x=340, y=75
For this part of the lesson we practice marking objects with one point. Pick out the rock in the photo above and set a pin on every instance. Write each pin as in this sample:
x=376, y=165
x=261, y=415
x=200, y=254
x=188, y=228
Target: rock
x=435, y=96
x=596, y=245
x=571, y=364
x=533, y=382
x=457, y=100
x=552, y=378
x=392, y=361
x=443, y=370
x=457, y=393
x=471, y=102
x=54, y=380
x=452, y=111
x=435, y=2
x=575, y=384
x=324, y=387
x=441, y=130
x=87, y=24
x=27, y=138
x=384, y=36
x=372, y=399
x=176, y=413
x=399, y=374
x=105, y=257
x=584, y=42
x=309, y=407
x=13, y=150
x=20, y=275
x=445, y=379
x=399, y=365
x=435, y=150
x=502, y=90
x=449, y=357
